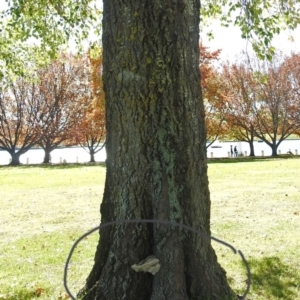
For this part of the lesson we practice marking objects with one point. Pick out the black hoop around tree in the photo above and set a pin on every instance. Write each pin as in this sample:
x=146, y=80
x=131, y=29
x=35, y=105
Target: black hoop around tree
x=164, y=222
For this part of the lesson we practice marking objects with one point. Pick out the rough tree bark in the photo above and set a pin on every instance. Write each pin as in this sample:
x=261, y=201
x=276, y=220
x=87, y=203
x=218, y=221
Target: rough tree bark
x=156, y=162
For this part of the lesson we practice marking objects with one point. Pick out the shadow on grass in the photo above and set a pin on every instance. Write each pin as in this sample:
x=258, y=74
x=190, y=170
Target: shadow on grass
x=273, y=279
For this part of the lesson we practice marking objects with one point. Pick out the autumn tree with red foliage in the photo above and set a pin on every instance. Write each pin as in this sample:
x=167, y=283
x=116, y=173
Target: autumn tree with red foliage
x=240, y=114
x=264, y=100
x=292, y=63
x=277, y=101
x=21, y=108
x=90, y=132
x=214, y=95
x=64, y=88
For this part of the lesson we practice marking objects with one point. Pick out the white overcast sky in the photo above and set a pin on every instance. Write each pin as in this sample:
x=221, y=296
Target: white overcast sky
x=230, y=42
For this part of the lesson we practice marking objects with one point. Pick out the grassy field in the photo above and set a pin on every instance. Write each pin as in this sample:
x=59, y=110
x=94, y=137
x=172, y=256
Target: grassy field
x=255, y=207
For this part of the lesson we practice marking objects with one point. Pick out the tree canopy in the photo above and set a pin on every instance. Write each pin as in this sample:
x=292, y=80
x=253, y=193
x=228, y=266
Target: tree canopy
x=35, y=30
x=258, y=20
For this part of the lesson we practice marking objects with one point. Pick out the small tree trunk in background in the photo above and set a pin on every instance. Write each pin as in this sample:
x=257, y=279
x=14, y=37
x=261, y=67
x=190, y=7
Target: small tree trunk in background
x=156, y=162
x=92, y=155
x=15, y=158
x=274, y=149
x=47, y=157
x=251, y=145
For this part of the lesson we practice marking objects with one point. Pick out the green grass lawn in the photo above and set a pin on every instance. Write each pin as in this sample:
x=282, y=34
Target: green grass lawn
x=44, y=209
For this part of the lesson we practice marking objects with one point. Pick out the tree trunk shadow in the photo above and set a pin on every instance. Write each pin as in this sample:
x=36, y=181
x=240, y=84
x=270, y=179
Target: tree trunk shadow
x=272, y=278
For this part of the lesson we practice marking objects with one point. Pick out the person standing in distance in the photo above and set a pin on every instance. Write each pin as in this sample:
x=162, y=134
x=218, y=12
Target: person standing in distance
x=235, y=152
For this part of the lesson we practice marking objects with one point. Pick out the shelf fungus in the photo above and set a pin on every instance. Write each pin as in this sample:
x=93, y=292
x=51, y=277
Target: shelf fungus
x=149, y=264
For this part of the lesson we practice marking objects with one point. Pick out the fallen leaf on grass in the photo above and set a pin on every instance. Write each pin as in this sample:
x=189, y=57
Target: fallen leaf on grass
x=65, y=297
x=39, y=291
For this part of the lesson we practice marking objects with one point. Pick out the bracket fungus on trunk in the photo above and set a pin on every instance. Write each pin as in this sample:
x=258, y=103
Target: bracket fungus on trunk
x=149, y=264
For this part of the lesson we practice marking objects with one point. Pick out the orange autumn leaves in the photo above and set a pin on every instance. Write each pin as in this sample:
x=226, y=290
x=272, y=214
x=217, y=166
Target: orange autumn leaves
x=90, y=131
x=214, y=97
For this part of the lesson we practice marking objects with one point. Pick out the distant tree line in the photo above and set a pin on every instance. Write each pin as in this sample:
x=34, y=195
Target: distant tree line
x=63, y=104
x=252, y=99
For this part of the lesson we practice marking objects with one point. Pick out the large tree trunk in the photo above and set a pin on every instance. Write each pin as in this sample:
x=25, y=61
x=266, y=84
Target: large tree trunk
x=156, y=162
